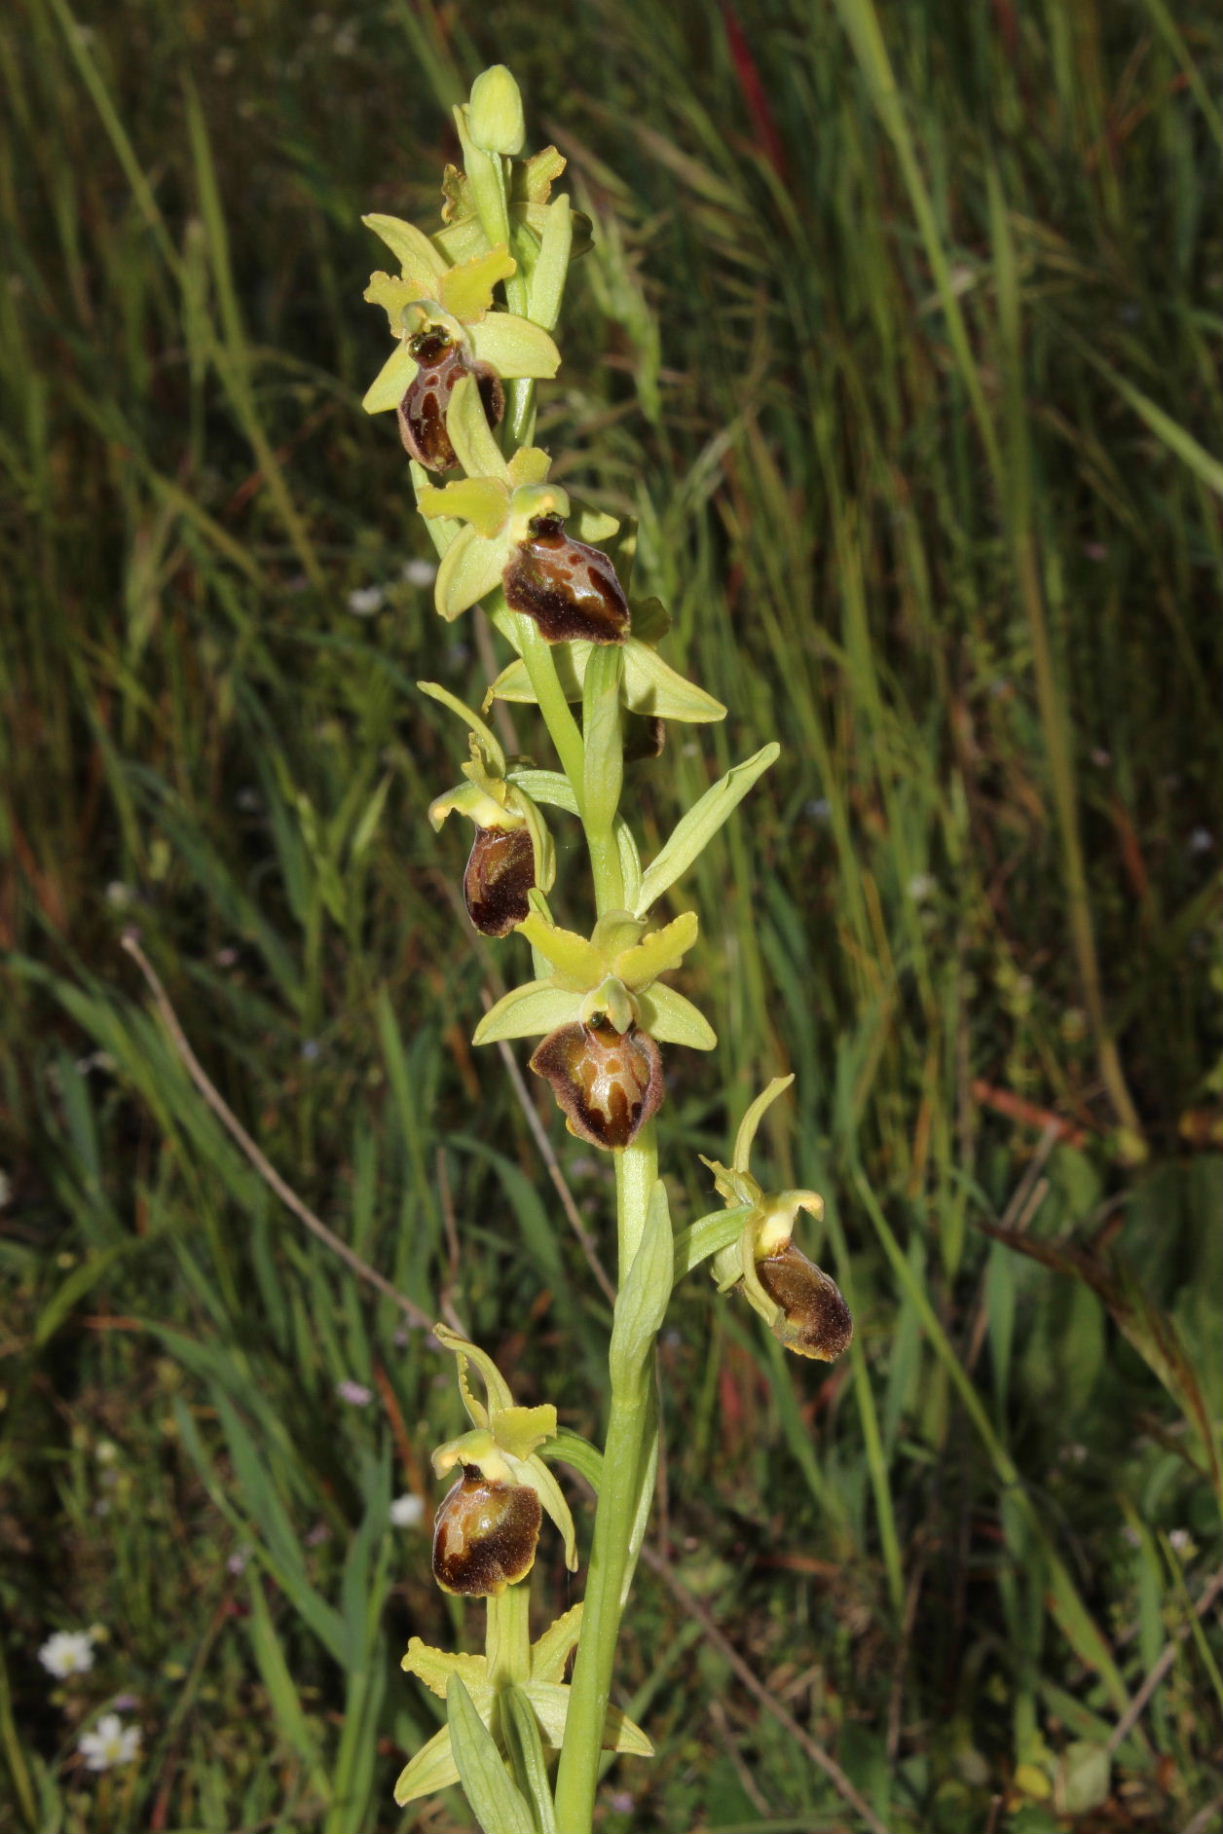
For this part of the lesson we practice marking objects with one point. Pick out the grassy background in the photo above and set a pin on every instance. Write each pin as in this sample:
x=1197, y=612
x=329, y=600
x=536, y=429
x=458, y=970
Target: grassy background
x=901, y=338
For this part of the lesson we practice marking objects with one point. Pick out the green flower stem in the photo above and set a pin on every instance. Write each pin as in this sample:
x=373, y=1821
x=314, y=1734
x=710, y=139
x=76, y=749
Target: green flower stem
x=507, y=1636
x=628, y=1460
x=563, y=729
x=606, y=867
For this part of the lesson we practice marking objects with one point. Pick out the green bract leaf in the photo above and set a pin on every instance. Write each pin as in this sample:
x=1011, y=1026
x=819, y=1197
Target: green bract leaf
x=467, y=424
x=642, y=1304
x=470, y=568
x=697, y=828
x=672, y=1019
x=515, y=347
x=495, y=1801
x=520, y=1729
x=552, y=265
x=392, y=382
x=604, y=755
x=527, y=1012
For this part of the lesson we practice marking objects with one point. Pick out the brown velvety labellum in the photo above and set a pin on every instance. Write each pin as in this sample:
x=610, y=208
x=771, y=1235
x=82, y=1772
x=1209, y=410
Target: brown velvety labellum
x=571, y=590
x=818, y=1322
x=422, y=412
x=607, y=1084
x=485, y=1535
x=500, y=872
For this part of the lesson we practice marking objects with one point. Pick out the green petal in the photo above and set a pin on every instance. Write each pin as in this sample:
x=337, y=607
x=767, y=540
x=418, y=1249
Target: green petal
x=469, y=800
x=495, y=1385
x=520, y=1431
x=471, y=567
x=514, y=346
x=527, y=1012
x=672, y=1019
x=433, y=1768
x=578, y=964
x=421, y=263
x=467, y=424
x=752, y=1119
x=467, y=290
x=392, y=382
x=652, y=686
x=658, y=953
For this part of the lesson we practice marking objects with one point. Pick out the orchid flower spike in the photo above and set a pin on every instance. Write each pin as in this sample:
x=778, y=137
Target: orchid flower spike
x=801, y=1304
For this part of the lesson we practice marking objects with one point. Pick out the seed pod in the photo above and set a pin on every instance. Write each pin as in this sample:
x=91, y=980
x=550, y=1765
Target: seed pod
x=815, y=1321
x=571, y=590
x=607, y=1083
x=500, y=872
x=422, y=412
x=485, y=1535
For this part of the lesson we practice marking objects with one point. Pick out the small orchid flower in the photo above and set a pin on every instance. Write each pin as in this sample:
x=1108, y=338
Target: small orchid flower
x=801, y=1304
x=434, y=1767
x=446, y=329
x=488, y=1525
x=603, y=1011
x=515, y=537
x=512, y=851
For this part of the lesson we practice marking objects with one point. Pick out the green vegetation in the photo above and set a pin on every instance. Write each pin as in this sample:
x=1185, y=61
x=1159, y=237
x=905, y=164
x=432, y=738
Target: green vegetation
x=919, y=350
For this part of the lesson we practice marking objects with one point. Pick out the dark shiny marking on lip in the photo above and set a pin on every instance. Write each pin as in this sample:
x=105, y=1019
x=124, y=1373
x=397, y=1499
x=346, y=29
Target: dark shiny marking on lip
x=607, y=1084
x=485, y=1535
x=569, y=588
x=422, y=412
x=500, y=872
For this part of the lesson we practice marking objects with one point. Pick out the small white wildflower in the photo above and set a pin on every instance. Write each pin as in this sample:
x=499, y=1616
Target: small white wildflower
x=1181, y=1541
x=67, y=1652
x=921, y=887
x=418, y=572
x=1131, y=1536
x=1201, y=841
x=118, y=894
x=238, y=1561
x=110, y=1744
x=355, y=1393
x=407, y=1511
x=366, y=600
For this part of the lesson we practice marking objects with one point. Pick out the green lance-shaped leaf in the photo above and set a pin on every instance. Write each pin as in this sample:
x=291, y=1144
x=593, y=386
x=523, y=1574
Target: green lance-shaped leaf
x=551, y=268
x=695, y=830
x=520, y=1730
x=496, y=1802
x=604, y=774
x=642, y=1304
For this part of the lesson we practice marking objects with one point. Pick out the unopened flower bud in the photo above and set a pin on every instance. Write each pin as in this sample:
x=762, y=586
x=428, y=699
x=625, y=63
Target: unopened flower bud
x=570, y=589
x=608, y=1084
x=485, y=1535
x=500, y=872
x=441, y=361
x=494, y=114
x=815, y=1319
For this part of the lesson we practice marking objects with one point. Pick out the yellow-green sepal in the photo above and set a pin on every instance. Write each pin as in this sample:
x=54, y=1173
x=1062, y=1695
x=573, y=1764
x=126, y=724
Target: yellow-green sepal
x=392, y=382
x=672, y=1019
x=514, y=346
x=528, y=1011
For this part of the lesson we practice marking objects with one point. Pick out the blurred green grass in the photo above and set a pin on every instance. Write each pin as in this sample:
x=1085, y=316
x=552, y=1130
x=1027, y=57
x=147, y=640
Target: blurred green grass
x=906, y=357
